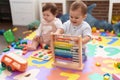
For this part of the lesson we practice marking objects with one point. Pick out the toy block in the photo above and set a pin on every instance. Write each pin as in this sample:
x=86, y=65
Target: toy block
x=19, y=47
x=67, y=51
x=94, y=29
x=23, y=41
x=15, y=29
x=118, y=34
x=13, y=44
x=19, y=38
x=17, y=43
x=117, y=65
x=6, y=49
x=98, y=64
x=2, y=31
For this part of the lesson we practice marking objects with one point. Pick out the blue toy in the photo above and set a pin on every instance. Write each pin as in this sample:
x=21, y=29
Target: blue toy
x=2, y=31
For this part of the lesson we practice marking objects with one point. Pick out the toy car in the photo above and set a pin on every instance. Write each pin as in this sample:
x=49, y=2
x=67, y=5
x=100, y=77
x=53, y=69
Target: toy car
x=13, y=62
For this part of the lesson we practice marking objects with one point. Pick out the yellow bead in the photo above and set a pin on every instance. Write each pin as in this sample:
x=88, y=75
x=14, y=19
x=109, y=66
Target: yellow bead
x=98, y=64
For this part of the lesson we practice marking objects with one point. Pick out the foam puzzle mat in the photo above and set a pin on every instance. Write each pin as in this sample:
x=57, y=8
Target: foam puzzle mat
x=101, y=56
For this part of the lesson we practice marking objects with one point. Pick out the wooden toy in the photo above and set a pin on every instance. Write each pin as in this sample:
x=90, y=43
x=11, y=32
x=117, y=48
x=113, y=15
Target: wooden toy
x=42, y=54
x=67, y=51
x=13, y=62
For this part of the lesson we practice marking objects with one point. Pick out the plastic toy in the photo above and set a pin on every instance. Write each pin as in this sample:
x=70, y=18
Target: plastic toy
x=33, y=25
x=67, y=51
x=94, y=29
x=27, y=31
x=15, y=29
x=9, y=37
x=117, y=65
x=42, y=54
x=106, y=76
x=14, y=62
x=118, y=34
x=6, y=49
x=2, y=31
x=98, y=64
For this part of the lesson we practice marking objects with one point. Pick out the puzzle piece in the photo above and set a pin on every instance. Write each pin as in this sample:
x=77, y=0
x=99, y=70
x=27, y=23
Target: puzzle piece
x=42, y=54
x=71, y=76
x=29, y=75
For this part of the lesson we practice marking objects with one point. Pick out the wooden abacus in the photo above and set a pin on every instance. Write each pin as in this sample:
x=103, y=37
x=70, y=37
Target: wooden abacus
x=67, y=51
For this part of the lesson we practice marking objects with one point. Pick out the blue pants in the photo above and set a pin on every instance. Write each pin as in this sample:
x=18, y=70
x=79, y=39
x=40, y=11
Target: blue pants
x=84, y=57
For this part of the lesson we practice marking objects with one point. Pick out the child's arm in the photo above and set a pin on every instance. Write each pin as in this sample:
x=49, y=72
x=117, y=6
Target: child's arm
x=39, y=30
x=86, y=39
x=59, y=31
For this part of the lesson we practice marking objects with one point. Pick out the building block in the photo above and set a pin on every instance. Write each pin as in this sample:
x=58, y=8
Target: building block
x=2, y=31
x=6, y=49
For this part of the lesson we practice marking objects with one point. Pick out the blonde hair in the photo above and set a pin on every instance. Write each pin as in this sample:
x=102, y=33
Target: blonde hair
x=79, y=4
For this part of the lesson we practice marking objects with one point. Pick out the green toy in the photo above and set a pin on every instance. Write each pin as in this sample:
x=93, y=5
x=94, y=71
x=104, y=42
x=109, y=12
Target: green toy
x=33, y=25
x=118, y=34
x=6, y=49
x=8, y=35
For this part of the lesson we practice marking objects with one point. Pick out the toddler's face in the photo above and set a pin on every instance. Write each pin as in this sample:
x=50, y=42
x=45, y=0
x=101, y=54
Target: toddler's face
x=76, y=17
x=48, y=16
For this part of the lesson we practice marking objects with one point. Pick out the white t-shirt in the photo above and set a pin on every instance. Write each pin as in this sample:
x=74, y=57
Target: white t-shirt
x=46, y=28
x=83, y=29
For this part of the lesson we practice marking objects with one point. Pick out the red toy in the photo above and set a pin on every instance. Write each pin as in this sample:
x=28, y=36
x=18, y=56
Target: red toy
x=14, y=62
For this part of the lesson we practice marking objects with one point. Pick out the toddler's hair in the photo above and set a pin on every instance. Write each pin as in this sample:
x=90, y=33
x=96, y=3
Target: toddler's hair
x=50, y=6
x=79, y=4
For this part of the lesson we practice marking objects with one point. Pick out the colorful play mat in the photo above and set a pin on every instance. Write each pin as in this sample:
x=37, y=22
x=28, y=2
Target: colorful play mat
x=101, y=58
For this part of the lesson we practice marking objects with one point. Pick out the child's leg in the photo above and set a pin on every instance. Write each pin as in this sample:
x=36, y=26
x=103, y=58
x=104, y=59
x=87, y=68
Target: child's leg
x=33, y=45
x=84, y=57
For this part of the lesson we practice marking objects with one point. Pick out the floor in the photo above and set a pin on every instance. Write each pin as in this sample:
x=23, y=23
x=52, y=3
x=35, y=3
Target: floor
x=6, y=25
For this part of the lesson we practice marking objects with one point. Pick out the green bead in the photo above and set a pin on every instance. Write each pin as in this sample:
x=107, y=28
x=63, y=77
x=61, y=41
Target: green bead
x=119, y=66
x=118, y=34
x=19, y=47
x=6, y=49
x=46, y=46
